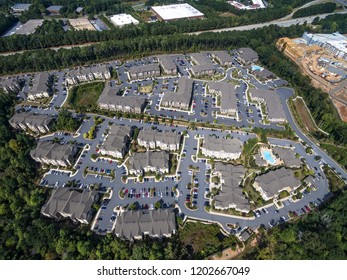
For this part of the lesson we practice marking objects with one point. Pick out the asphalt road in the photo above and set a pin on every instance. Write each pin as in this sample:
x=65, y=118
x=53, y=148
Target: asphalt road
x=282, y=23
x=104, y=223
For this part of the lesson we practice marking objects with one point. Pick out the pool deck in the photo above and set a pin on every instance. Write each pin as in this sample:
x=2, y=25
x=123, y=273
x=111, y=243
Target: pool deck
x=277, y=160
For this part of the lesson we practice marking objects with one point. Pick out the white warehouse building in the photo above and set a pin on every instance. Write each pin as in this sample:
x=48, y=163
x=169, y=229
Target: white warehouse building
x=123, y=19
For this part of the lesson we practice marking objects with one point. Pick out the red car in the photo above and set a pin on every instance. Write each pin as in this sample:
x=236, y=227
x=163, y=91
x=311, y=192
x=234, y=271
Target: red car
x=308, y=209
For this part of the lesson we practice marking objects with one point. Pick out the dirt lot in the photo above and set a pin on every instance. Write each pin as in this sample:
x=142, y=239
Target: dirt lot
x=342, y=94
x=81, y=23
x=342, y=109
x=146, y=89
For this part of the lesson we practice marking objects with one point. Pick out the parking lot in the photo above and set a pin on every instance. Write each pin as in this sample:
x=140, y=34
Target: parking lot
x=172, y=191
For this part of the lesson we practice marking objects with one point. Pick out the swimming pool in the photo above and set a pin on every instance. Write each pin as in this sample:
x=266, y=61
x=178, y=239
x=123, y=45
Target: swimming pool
x=256, y=68
x=268, y=156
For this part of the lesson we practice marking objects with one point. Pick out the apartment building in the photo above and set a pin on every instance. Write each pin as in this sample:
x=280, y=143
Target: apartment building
x=66, y=203
x=54, y=154
x=221, y=148
x=150, y=161
x=140, y=72
x=28, y=121
x=117, y=141
x=111, y=100
x=164, y=140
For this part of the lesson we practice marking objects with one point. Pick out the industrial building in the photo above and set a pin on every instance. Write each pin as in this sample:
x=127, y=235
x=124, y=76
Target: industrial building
x=20, y=7
x=123, y=19
x=334, y=43
x=176, y=11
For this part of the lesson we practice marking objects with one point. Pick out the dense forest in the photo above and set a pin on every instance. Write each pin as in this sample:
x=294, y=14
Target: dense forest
x=315, y=10
x=262, y=40
x=26, y=235
x=56, y=36
x=320, y=235
x=6, y=22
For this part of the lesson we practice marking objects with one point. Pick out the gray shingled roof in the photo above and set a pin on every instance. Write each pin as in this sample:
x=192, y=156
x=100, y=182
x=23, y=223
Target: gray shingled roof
x=117, y=138
x=231, y=192
x=144, y=68
x=27, y=117
x=273, y=102
x=109, y=96
x=75, y=203
x=167, y=137
x=167, y=62
x=158, y=160
x=276, y=180
x=39, y=83
x=53, y=151
x=183, y=93
x=288, y=156
x=203, y=62
x=228, y=94
x=264, y=74
x=247, y=54
x=223, y=56
x=88, y=70
x=154, y=222
x=228, y=145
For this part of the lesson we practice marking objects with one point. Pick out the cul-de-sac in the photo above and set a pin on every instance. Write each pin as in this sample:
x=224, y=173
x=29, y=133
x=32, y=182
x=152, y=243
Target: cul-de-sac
x=127, y=147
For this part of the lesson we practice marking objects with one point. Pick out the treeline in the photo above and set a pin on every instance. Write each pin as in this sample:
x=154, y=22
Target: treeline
x=26, y=235
x=52, y=39
x=319, y=103
x=315, y=10
x=40, y=60
x=331, y=24
x=6, y=22
x=319, y=236
x=262, y=40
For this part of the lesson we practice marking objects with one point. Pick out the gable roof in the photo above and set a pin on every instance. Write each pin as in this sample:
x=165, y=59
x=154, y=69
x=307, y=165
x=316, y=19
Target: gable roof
x=132, y=223
x=157, y=160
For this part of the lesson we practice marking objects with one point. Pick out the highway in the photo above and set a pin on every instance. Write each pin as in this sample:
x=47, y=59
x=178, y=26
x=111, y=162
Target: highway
x=279, y=22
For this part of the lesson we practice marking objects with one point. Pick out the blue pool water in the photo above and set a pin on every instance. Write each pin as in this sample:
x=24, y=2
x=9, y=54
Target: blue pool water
x=268, y=157
x=256, y=68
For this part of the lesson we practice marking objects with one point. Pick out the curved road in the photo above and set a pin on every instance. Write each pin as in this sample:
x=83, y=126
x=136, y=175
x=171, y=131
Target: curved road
x=279, y=22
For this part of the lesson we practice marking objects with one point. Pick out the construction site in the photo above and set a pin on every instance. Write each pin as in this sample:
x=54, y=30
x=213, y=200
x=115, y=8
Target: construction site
x=325, y=64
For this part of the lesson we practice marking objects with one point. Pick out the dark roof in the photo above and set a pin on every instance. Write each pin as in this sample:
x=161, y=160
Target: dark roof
x=231, y=196
x=73, y=203
x=53, y=151
x=247, y=54
x=132, y=224
x=54, y=8
x=109, y=96
x=182, y=95
x=28, y=117
x=158, y=160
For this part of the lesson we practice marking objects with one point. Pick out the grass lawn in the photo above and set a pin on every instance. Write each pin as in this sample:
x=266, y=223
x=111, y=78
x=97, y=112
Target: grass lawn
x=146, y=89
x=305, y=117
x=84, y=97
x=252, y=193
x=38, y=102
